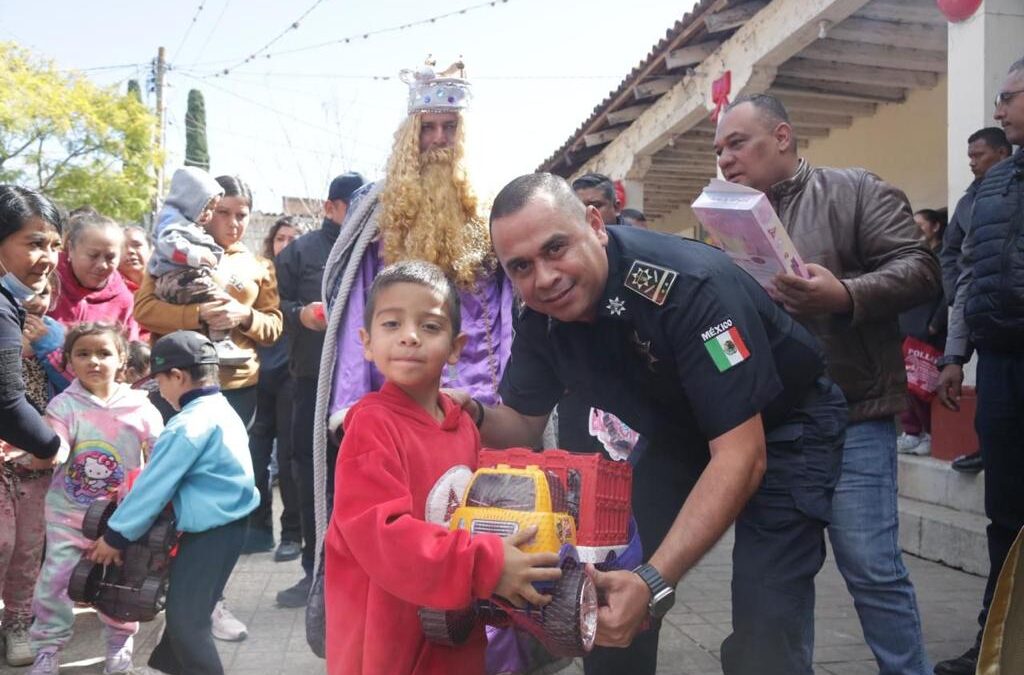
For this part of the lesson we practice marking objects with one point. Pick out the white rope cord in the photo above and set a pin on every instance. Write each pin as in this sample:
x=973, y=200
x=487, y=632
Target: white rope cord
x=358, y=230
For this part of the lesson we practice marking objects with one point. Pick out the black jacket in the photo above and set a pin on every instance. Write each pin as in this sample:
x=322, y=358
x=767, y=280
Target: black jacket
x=20, y=423
x=953, y=241
x=300, y=271
x=994, y=310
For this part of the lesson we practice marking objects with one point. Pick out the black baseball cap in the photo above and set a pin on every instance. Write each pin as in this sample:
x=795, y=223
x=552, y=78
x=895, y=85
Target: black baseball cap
x=182, y=349
x=344, y=185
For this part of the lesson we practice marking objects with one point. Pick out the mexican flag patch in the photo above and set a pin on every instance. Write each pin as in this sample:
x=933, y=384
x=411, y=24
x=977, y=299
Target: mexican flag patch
x=725, y=345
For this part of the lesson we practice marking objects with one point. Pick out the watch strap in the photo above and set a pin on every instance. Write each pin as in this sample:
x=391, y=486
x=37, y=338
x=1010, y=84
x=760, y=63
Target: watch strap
x=659, y=588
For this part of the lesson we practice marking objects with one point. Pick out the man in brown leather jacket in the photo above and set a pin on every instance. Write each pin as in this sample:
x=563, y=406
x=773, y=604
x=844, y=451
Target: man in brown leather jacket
x=866, y=264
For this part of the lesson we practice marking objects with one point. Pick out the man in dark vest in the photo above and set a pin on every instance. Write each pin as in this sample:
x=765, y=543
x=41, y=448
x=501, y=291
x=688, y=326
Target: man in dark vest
x=990, y=297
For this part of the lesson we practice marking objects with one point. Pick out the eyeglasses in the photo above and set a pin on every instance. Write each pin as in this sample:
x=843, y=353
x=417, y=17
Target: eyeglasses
x=1004, y=97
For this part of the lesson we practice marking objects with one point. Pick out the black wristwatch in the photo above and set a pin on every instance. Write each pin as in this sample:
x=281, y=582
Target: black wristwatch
x=663, y=596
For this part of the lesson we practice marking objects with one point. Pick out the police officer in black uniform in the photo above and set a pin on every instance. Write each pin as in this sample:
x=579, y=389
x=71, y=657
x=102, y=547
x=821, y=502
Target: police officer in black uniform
x=739, y=421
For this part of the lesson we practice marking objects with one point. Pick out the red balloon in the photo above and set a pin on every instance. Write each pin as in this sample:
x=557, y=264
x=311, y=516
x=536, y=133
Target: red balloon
x=620, y=192
x=958, y=10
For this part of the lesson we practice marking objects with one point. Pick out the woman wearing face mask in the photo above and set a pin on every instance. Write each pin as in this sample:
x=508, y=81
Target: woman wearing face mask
x=30, y=227
x=91, y=288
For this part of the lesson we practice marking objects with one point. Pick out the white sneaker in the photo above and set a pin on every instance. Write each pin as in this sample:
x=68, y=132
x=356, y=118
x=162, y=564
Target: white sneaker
x=46, y=663
x=230, y=354
x=911, y=444
x=119, y=655
x=19, y=650
x=226, y=626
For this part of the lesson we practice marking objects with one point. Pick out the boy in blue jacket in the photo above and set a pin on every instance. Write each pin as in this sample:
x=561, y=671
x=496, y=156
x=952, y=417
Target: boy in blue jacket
x=201, y=465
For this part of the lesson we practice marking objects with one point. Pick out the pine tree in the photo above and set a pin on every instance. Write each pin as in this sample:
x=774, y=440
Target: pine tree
x=196, y=151
x=134, y=90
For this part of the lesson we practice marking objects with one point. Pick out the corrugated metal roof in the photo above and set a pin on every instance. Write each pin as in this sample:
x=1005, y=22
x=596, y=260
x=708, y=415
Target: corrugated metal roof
x=688, y=30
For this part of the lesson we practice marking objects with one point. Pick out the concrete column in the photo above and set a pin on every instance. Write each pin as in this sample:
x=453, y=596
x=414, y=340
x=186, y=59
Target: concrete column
x=980, y=50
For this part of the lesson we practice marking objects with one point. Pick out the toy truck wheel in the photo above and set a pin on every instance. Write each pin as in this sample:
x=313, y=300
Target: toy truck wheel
x=151, y=597
x=161, y=536
x=84, y=583
x=570, y=620
x=447, y=627
x=95, y=522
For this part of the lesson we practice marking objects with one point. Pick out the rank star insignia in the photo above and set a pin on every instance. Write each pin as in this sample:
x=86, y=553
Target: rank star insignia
x=643, y=348
x=651, y=281
x=616, y=306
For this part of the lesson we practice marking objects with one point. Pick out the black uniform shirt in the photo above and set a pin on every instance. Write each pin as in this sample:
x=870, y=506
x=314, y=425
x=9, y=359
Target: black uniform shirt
x=686, y=347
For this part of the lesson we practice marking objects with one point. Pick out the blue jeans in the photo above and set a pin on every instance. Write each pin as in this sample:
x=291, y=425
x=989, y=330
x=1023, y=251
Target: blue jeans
x=864, y=532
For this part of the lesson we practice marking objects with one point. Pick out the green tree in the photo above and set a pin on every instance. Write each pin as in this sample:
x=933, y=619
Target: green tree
x=196, y=151
x=76, y=142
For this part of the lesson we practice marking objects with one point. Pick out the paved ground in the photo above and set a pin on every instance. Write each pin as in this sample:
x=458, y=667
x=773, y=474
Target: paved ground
x=689, y=641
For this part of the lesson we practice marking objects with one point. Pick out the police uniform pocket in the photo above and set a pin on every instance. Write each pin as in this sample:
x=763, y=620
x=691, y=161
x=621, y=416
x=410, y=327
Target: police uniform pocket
x=798, y=466
x=785, y=457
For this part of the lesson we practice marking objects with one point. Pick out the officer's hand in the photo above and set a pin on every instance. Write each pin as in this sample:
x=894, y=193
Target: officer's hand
x=625, y=606
x=522, y=569
x=104, y=554
x=823, y=293
x=462, y=398
x=951, y=380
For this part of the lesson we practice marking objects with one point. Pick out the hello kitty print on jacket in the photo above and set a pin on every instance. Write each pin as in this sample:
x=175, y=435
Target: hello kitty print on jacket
x=101, y=441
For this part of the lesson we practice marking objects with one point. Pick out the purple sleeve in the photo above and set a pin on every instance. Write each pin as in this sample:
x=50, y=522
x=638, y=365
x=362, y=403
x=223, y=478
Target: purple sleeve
x=487, y=321
x=354, y=376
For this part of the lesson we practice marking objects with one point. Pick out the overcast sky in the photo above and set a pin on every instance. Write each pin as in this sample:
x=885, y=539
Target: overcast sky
x=289, y=123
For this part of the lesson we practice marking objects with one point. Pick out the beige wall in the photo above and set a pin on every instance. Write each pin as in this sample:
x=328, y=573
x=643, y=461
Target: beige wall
x=681, y=221
x=904, y=143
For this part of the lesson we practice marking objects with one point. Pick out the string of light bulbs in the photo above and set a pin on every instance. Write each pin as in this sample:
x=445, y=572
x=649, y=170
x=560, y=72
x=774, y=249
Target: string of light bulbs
x=347, y=40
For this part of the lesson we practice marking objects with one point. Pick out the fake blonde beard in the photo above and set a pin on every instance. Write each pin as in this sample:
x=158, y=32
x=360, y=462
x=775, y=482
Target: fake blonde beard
x=432, y=215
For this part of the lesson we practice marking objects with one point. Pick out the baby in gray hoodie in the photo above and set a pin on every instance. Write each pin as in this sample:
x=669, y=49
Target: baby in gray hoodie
x=185, y=255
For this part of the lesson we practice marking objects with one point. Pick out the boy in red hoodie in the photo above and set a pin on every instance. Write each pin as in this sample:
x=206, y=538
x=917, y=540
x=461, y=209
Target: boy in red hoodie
x=407, y=449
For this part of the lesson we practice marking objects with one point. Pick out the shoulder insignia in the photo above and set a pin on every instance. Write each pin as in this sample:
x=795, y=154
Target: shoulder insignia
x=651, y=281
x=725, y=345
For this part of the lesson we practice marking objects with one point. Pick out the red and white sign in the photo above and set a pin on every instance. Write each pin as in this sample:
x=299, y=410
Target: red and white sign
x=921, y=360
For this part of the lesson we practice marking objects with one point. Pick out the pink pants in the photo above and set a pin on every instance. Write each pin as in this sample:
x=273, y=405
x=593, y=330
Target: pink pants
x=917, y=418
x=53, y=609
x=22, y=534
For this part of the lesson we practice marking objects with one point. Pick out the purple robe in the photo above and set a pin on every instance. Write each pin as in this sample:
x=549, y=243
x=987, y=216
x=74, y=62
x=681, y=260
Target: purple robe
x=491, y=301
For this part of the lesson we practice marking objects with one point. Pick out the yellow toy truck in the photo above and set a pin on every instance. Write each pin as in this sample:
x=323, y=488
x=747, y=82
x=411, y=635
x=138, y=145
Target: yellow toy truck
x=580, y=505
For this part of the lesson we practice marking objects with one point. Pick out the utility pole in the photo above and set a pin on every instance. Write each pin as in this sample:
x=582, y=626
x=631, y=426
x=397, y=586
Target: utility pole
x=161, y=70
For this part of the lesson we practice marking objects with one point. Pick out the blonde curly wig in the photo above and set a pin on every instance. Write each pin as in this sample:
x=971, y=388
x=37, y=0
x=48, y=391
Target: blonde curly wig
x=429, y=210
